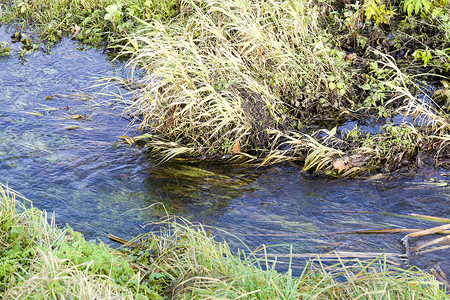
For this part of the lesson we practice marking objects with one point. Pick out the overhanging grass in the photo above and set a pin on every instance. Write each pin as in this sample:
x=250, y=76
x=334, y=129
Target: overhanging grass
x=254, y=77
x=230, y=71
x=196, y=266
x=182, y=261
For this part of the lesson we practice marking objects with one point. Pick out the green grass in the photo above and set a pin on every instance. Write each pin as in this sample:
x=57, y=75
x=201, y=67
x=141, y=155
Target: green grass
x=181, y=261
x=39, y=261
x=196, y=266
x=100, y=21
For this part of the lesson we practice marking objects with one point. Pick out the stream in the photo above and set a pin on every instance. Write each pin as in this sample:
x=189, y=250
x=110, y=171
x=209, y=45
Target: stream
x=60, y=147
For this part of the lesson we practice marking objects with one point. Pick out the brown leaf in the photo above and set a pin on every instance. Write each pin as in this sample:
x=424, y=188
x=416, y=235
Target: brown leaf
x=351, y=56
x=339, y=165
x=358, y=160
x=236, y=147
x=169, y=120
x=77, y=30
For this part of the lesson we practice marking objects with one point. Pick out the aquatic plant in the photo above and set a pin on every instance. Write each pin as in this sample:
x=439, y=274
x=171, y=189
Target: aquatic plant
x=5, y=48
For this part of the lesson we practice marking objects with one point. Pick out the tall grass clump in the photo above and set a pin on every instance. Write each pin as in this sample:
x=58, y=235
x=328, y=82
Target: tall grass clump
x=219, y=78
x=186, y=262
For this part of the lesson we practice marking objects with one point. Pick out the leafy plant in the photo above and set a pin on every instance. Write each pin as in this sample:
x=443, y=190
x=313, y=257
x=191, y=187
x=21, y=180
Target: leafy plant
x=416, y=6
x=114, y=13
x=374, y=9
x=336, y=83
x=424, y=55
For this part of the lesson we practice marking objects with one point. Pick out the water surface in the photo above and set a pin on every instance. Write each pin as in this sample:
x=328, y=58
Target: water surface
x=60, y=146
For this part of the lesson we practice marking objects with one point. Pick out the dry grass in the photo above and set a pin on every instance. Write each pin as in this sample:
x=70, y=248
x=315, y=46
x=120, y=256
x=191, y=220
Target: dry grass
x=229, y=72
x=243, y=75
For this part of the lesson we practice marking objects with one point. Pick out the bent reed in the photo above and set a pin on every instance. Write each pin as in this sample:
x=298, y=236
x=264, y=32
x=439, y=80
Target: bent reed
x=179, y=261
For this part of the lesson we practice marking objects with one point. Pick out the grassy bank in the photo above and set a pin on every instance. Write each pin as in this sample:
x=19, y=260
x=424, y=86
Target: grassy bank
x=39, y=261
x=182, y=261
x=269, y=81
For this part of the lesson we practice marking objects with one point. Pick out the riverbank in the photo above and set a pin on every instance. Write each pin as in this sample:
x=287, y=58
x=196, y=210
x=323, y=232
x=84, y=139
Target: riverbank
x=263, y=82
x=182, y=261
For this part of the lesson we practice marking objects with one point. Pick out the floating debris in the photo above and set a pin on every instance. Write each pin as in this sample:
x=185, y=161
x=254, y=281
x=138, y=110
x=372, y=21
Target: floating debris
x=72, y=127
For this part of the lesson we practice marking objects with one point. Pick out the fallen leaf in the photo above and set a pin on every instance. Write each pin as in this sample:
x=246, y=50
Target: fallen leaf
x=339, y=165
x=75, y=117
x=72, y=127
x=77, y=30
x=169, y=120
x=439, y=183
x=34, y=113
x=351, y=56
x=236, y=147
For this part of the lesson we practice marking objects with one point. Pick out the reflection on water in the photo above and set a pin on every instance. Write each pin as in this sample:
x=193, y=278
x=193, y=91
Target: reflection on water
x=98, y=186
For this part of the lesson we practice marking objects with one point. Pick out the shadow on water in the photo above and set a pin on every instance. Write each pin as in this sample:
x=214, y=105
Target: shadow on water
x=59, y=147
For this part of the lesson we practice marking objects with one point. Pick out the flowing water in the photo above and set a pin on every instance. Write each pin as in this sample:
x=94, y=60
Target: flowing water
x=60, y=147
